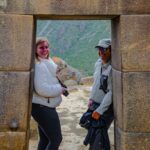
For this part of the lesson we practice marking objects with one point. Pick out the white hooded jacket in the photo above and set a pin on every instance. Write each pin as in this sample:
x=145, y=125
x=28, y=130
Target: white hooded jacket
x=47, y=88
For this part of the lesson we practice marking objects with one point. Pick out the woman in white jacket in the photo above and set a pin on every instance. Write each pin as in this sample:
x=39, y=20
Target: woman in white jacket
x=46, y=97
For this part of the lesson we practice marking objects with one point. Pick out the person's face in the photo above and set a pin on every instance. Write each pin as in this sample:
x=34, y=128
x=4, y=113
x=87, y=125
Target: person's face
x=43, y=50
x=104, y=54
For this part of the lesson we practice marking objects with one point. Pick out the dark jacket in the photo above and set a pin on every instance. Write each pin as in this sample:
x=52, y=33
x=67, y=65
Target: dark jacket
x=97, y=135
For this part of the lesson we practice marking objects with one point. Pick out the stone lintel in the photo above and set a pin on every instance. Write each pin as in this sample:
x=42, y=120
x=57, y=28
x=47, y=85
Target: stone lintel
x=78, y=7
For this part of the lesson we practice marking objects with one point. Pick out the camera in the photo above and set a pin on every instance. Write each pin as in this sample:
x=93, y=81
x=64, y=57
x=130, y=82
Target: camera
x=66, y=93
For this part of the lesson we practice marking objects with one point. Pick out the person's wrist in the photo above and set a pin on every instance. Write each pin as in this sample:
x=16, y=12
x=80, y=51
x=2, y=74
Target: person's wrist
x=96, y=115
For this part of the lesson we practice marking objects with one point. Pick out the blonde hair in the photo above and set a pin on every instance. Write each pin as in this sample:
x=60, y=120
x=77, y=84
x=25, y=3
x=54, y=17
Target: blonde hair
x=38, y=41
x=41, y=40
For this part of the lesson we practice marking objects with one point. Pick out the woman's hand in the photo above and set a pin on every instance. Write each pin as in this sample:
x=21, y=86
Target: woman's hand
x=64, y=90
x=90, y=102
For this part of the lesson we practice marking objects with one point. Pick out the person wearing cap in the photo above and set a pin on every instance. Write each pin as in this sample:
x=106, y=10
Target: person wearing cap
x=101, y=93
x=46, y=97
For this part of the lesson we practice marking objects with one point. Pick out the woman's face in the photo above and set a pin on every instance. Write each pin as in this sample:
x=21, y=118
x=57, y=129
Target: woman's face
x=43, y=50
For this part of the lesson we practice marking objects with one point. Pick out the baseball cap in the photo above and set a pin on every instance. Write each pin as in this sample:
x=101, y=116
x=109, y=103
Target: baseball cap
x=105, y=43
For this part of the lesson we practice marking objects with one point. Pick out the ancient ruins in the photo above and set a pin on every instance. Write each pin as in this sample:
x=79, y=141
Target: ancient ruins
x=130, y=60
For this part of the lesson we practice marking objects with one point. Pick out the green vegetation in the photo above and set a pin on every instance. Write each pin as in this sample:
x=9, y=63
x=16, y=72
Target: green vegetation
x=74, y=41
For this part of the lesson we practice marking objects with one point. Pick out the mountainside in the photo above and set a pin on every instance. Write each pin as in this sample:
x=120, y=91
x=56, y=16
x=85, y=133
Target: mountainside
x=74, y=41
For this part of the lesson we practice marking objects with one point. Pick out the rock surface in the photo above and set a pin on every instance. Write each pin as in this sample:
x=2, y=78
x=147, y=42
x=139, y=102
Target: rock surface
x=67, y=72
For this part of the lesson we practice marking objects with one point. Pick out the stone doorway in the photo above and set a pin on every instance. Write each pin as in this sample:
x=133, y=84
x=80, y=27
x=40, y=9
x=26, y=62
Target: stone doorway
x=75, y=104
x=131, y=70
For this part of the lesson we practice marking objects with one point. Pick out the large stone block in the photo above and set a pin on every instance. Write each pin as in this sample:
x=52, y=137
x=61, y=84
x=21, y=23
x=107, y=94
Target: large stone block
x=134, y=6
x=131, y=101
x=136, y=104
x=18, y=7
x=131, y=40
x=14, y=101
x=63, y=7
x=13, y=141
x=15, y=42
x=131, y=141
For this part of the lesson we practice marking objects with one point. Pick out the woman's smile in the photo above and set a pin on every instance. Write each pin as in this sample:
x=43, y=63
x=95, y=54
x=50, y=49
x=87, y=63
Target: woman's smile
x=43, y=50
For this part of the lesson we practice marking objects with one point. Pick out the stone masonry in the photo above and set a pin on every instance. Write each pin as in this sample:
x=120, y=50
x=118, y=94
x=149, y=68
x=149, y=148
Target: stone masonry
x=130, y=61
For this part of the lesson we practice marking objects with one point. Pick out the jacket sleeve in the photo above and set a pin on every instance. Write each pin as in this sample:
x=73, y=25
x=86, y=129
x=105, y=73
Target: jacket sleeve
x=42, y=87
x=95, y=86
x=107, y=100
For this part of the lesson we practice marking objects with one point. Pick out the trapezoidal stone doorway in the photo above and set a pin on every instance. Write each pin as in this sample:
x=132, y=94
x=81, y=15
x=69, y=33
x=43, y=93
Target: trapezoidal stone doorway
x=78, y=37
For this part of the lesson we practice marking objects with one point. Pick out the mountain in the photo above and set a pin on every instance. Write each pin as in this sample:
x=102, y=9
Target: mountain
x=74, y=40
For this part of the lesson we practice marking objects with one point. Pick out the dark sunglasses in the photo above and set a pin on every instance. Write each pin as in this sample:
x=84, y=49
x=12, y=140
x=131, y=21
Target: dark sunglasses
x=102, y=49
x=44, y=47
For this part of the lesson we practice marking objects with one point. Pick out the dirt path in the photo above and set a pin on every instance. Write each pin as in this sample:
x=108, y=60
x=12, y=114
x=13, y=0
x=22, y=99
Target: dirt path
x=70, y=111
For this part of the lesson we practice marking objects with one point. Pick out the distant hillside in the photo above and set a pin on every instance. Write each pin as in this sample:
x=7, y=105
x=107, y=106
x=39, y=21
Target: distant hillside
x=74, y=41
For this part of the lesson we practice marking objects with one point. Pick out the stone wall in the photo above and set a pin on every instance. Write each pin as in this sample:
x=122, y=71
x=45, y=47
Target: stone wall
x=130, y=61
x=131, y=76
x=15, y=73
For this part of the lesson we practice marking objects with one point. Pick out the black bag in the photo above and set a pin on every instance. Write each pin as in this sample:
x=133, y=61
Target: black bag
x=103, y=83
x=85, y=120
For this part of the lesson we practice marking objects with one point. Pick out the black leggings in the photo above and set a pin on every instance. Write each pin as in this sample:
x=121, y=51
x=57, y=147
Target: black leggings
x=48, y=126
